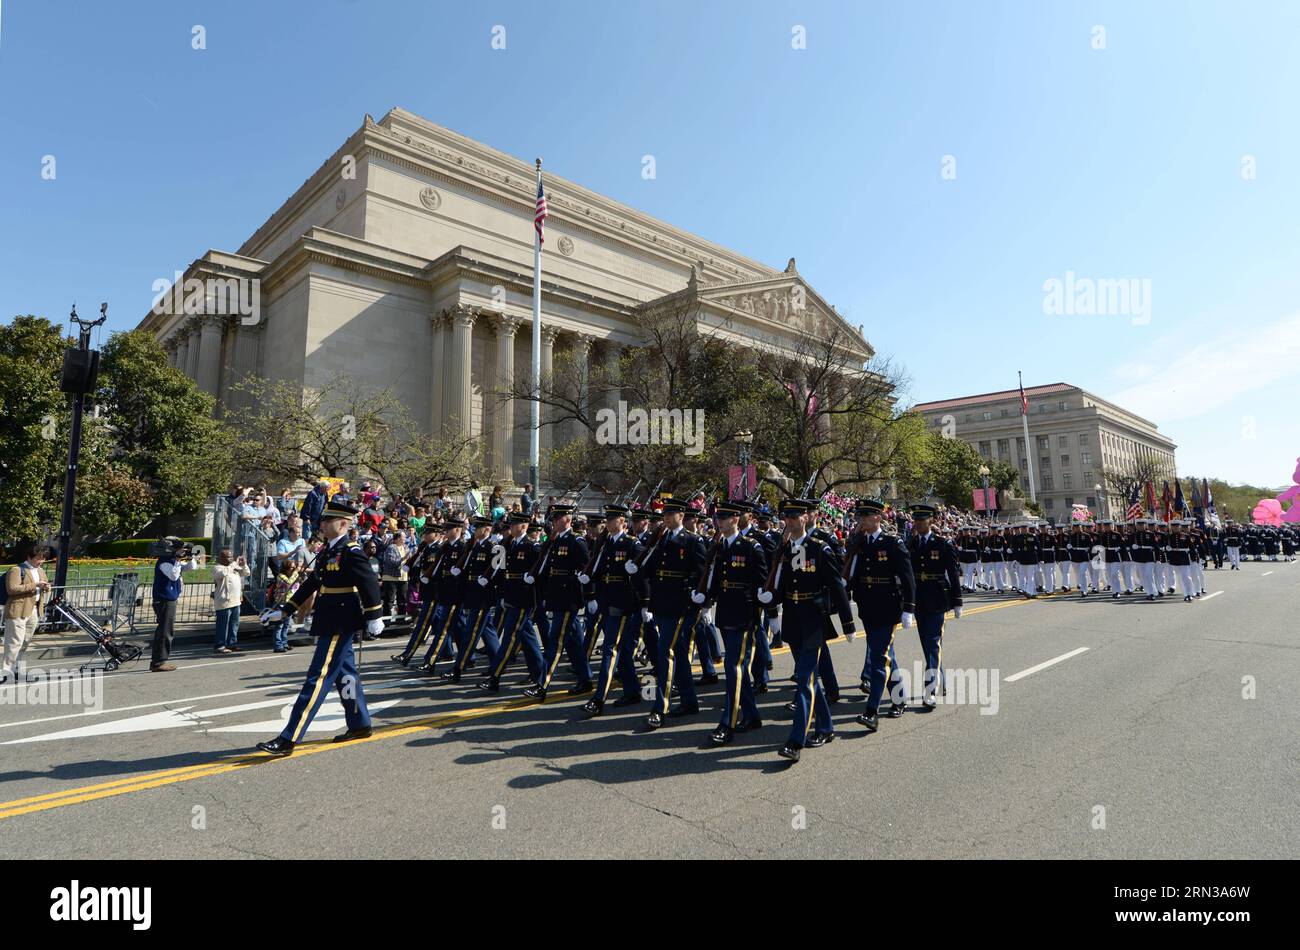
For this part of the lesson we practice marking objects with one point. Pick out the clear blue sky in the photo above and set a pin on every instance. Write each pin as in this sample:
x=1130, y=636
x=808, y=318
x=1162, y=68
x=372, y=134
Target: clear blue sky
x=1123, y=162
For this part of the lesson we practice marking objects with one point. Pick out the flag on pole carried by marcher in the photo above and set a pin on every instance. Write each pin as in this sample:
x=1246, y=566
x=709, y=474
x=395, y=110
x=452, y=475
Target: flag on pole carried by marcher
x=1134, y=505
x=1166, y=504
x=1151, y=498
x=1180, y=504
x=1196, y=495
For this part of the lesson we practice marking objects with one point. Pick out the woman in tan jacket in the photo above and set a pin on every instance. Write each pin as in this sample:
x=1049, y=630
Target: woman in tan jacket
x=25, y=587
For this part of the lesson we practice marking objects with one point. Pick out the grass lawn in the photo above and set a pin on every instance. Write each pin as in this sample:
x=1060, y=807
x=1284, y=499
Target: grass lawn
x=100, y=571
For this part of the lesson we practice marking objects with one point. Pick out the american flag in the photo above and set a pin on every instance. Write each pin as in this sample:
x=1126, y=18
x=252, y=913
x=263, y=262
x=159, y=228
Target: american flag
x=539, y=219
x=1024, y=400
x=1134, y=504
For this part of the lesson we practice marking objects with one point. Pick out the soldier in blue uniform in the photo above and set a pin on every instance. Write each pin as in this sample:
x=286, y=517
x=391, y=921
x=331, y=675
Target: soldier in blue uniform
x=347, y=599
x=880, y=579
x=479, y=598
x=806, y=582
x=448, y=624
x=422, y=566
x=617, y=599
x=754, y=527
x=673, y=564
x=737, y=569
x=519, y=600
x=938, y=589
x=708, y=644
x=563, y=558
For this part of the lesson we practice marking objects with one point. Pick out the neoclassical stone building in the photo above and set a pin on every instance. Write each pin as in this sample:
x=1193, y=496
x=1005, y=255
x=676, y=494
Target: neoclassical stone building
x=406, y=260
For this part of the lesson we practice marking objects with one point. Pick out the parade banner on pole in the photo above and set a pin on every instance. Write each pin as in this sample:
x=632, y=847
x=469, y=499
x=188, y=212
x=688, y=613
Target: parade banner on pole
x=738, y=486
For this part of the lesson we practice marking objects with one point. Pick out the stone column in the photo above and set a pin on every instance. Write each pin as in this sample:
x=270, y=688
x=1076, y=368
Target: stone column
x=582, y=343
x=546, y=437
x=209, y=365
x=181, y=347
x=192, y=357
x=170, y=347
x=438, y=374
x=503, y=427
x=459, y=366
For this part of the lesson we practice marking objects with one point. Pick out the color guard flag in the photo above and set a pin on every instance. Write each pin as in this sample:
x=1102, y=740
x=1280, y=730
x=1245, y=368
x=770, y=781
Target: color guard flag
x=1134, y=505
x=539, y=217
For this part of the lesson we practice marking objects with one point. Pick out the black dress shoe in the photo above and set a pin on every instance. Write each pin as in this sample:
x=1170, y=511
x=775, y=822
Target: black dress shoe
x=777, y=643
x=928, y=705
x=760, y=688
x=593, y=707
x=530, y=680
x=749, y=725
x=869, y=719
x=489, y=685
x=708, y=679
x=451, y=676
x=654, y=720
x=721, y=735
x=535, y=692
x=789, y=751
x=365, y=732
x=789, y=707
x=628, y=699
x=864, y=686
x=896, y=710
x=424, y=669
x=580, y=689
x=277, y=746
x=820, y=739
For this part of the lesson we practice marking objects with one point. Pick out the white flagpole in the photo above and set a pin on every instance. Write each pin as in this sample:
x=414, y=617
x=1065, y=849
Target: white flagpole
x=1029, y=449
x=534, y=445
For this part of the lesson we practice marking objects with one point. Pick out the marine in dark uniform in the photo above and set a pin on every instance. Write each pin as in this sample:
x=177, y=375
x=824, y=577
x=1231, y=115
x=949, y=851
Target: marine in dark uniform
x=347, y=600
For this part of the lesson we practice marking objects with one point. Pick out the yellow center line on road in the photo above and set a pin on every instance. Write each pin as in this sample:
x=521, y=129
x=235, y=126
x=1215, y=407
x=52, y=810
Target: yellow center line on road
x=90, y=793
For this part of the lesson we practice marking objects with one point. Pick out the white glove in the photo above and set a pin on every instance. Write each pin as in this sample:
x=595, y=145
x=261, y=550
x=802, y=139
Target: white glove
x=851, y=634
x=271, y=615
x=455, y=572
x=529, y=579
x=374, y=627
x=592, y=606
x=424, y=578
x=646, y=615
x=584, y=578
x=764, y=596
x=956, y=612
x=630, y=567
x=697, y=597
x=908, y=620
x=774, y=624
x=707, y=615
x=482, y=582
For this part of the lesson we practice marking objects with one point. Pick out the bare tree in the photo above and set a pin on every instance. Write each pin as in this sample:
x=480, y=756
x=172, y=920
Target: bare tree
x=1123, y=477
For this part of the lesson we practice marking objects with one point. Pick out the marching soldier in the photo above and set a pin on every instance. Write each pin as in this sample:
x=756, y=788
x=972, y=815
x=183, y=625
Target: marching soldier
x=881, y=582
x=1144, y=557
x=938, y=590
x=1180, y=558
x=347, y=599
x=762, y=652
x=738, y=568
x=1080, y=548
x=448, y=625
x=708, y=645
x=1232, y=541
x=674, y=565
x=479, y=599
x=423, y=572
x=1047, y=558
x=617, y=599
x=806, y=582
x=519, y=600
x=968, y=553
x=557, y=575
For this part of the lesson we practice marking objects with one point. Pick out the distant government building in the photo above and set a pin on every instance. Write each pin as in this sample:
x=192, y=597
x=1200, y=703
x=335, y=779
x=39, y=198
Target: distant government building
x=1075, y=436
x=416, y=272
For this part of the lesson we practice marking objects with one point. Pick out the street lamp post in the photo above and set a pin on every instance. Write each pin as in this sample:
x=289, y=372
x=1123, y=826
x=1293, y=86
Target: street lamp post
x=1100, y=513
x=744, y=440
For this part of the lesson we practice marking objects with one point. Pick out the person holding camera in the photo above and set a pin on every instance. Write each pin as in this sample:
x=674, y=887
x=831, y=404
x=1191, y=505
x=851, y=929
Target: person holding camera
x=167, y=587
x=227, y=593
x=25, y=585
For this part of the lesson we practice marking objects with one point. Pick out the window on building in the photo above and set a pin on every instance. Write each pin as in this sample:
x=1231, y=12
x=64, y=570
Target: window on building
x=1085, y=458
x=1091, y=502
x=1067, y=480
x=1044, y=443
x=1063, y=441
x=984, y=449
x=1087, y=477
x=1069, y=502
x=1060, y=406
x=1024, y=465
x=1045, y=463
x=1004, y=448
x=1020, y=445
x=1024, y=482
x=1004, y=413
x=1042, y=408
x=986, y=416
x=1047, y=504
x=1065, y=461
x=1083, y=440
x=968, y=417
x=1047, y=480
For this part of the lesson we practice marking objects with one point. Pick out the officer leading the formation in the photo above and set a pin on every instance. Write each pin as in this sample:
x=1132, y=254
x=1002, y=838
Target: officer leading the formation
x=938, y=589
x=347, y=599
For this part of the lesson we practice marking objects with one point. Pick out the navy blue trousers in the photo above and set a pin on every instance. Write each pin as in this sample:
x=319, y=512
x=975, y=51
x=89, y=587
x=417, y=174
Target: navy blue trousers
x=333, y=666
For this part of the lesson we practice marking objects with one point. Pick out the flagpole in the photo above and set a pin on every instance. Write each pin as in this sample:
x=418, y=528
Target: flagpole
x=534, y=443
x=1029, y=451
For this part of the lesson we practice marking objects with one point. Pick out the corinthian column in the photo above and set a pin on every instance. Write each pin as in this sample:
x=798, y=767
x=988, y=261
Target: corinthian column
x=503, y=430
x=546, y=438
x=181, y=344
x=209, y=367
x=192, y=357
x=459, y=367
x=438, y=375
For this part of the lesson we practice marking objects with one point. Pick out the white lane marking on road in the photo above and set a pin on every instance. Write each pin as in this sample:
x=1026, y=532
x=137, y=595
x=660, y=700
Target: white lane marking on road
x=329, y=718
x=1266, y=573
x=252, y=690
x=1208, y=596
x=115, y=674
x=1042, y=666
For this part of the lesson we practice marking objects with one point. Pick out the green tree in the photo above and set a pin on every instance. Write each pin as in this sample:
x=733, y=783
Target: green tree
x=31, y=352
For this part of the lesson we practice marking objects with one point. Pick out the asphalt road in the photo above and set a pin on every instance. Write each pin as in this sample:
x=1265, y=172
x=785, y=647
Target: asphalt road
x=1143, y=739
